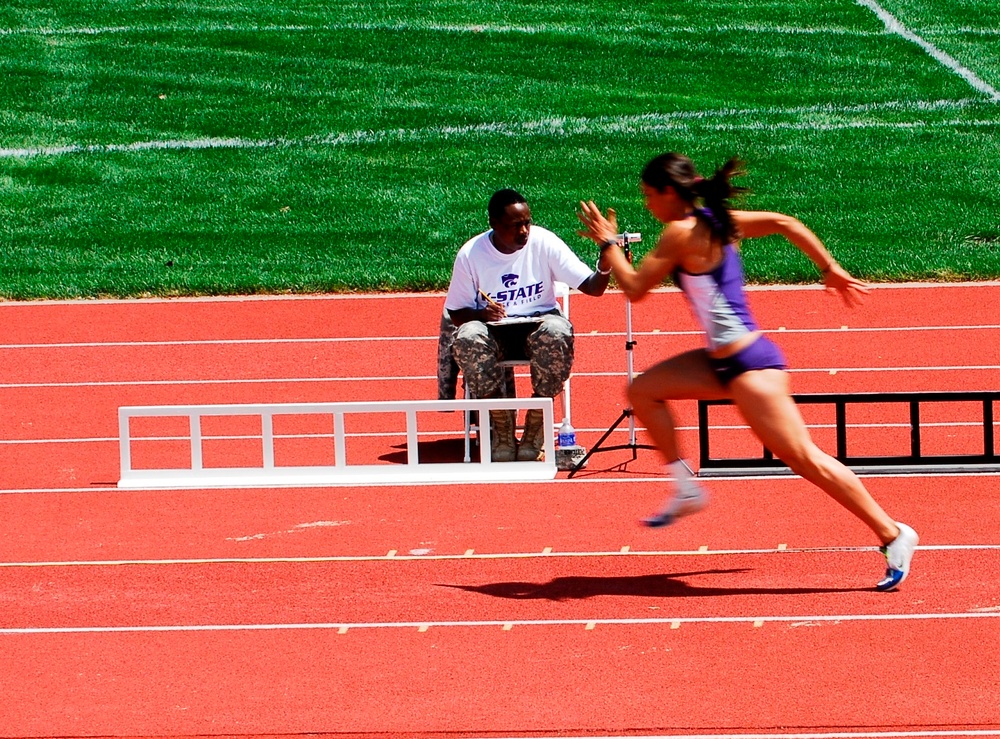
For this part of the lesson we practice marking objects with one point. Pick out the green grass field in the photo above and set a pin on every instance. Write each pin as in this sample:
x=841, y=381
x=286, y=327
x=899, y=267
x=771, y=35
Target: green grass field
x=214, y=147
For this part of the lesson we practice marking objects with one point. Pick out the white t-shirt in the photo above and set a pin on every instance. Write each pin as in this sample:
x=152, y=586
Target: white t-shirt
x=521, y=282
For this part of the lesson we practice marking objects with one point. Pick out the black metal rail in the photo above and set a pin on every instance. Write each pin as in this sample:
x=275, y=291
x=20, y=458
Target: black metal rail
x=915, y=461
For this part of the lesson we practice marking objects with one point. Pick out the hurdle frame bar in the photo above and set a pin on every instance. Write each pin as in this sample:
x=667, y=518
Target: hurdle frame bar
x=913, y=463
x=339, y=473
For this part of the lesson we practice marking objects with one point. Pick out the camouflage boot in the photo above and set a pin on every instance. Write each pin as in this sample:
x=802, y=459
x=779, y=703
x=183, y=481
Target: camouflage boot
x=502, y=425
x=532, y=446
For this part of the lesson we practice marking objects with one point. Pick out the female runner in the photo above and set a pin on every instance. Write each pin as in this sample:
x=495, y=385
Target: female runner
x=698, y=247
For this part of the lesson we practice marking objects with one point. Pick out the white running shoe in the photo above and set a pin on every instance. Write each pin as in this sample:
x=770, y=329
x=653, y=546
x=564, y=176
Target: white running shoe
x=898, y=554
x=691, y=499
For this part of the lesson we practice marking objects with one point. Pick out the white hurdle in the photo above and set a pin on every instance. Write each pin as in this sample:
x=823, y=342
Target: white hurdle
x=268, y=474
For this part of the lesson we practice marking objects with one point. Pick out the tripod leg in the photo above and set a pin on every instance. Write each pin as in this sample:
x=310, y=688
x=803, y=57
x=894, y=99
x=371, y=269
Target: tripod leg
x=582, y=462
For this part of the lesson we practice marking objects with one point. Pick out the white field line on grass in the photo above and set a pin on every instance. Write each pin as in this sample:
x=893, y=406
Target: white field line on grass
x=556, y=127
x=426, y=26
x=470, y=28
x=894, y=26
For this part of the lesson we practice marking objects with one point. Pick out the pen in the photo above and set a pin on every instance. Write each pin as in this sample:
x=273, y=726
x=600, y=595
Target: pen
x=489, y=300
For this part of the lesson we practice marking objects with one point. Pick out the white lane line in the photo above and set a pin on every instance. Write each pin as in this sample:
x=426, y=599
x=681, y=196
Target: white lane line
x=426, y=625
x=879, y=329
x=231, y=381
x=658, y=333
x=445, y=432
x=84, y=440
x=111, y=487
x=629, y=552
x=417, y=378
x=584, y=479
x=920, y=734
x=932, y=368
x=894, y=26
x=227, y=342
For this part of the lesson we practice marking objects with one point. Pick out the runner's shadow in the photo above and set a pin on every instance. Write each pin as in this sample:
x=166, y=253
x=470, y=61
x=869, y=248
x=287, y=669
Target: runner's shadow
x=642, y=586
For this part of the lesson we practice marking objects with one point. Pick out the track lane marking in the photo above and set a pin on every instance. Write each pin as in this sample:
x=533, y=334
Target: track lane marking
x=659, y=333
x=428, y=378
x=436, y=434
x=425, y=625
x=111, y=487
x=546, y=553
x=918, y=734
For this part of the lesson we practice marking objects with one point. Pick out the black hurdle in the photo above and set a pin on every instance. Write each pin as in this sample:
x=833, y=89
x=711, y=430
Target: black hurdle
x=916, y=462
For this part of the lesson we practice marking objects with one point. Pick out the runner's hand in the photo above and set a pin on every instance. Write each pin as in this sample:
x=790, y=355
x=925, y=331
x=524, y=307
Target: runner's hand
x=851, y=289
x=597, y=228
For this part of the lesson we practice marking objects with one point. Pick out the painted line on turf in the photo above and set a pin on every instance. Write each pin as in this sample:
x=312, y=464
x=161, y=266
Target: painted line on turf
x=895, y=27
x=465, y=28
x=473, y=28
x=551, y=127
x=423, y=626
x=466, y=556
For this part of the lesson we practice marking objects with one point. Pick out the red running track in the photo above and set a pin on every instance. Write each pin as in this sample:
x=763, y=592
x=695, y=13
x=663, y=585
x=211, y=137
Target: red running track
x=477, y=610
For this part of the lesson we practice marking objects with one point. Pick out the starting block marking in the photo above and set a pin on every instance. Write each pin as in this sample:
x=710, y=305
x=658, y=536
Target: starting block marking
x=269, y=474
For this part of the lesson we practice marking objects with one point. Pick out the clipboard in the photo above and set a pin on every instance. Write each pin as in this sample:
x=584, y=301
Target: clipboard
x=511, y=333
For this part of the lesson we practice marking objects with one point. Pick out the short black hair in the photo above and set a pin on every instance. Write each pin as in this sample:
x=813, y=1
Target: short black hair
x=500, y=200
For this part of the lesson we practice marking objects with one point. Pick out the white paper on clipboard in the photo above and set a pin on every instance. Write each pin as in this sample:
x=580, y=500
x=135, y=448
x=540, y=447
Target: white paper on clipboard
x=514, y=320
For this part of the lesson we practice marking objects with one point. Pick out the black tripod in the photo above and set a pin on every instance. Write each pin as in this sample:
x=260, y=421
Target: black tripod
x=627, y=413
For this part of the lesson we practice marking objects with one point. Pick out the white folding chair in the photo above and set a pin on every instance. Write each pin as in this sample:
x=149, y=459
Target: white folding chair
x=562, y=291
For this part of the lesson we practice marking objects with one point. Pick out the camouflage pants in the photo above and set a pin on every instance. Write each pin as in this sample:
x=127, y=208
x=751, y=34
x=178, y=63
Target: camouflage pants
x=447, y=370
x=549, y=350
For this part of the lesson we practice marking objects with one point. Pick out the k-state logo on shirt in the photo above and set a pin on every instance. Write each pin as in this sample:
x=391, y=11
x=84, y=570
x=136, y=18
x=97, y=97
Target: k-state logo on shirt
x=509, y=280
x=519, y=296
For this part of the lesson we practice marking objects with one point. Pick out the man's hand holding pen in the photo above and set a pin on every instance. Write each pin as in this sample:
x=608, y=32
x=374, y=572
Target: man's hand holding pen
x=493, y=311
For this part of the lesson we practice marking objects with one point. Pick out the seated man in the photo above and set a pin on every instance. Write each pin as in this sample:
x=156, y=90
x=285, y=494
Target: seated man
x=507, y=273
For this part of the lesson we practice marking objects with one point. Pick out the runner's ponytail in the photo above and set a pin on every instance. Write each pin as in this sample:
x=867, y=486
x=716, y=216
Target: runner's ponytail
x=715, y=194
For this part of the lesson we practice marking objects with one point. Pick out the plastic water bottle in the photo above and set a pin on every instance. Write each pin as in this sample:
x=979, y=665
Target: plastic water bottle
x=567, y=436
